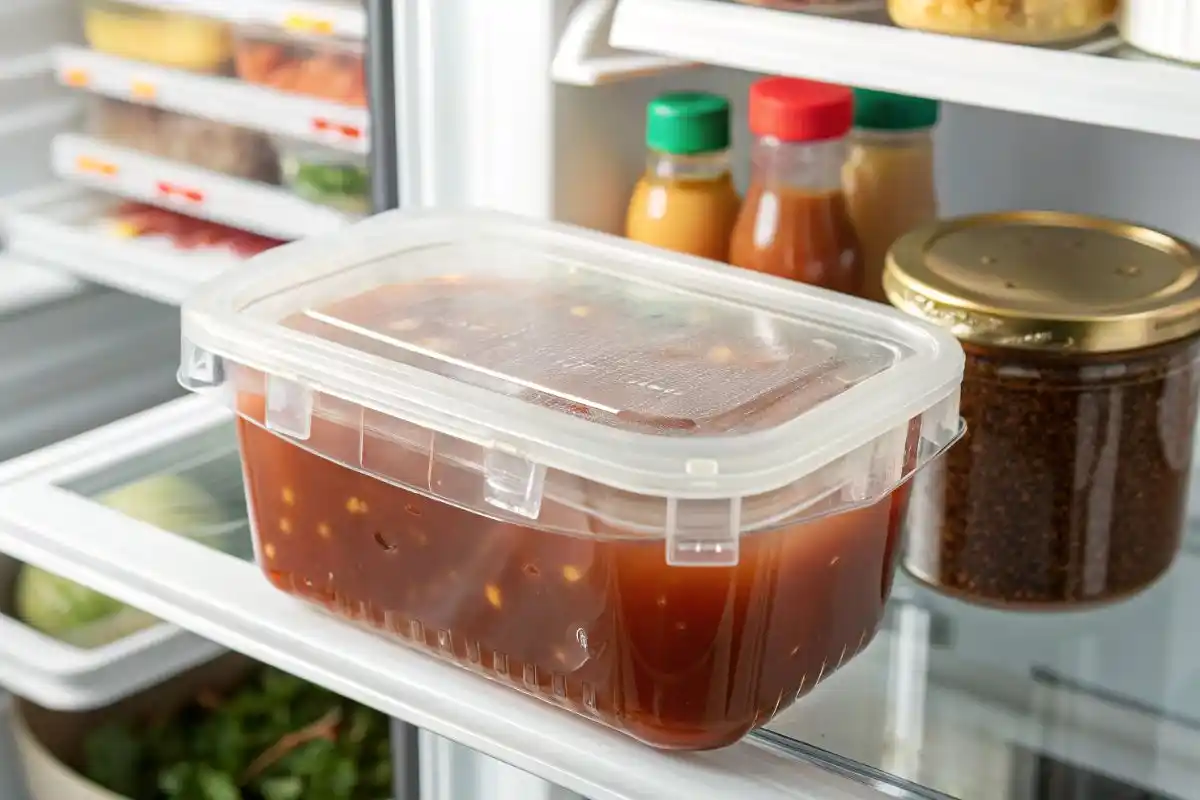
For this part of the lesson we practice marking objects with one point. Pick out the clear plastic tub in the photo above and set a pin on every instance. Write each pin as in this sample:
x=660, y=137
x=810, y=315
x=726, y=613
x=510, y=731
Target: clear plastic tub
x=168, y=38
x=326, y=176
x=328, y=68
x=192, y=140
x=1018, y=21
x=657, y=491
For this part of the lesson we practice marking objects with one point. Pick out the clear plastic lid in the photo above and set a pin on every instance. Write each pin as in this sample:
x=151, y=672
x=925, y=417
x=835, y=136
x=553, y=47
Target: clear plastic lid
x=664, y=395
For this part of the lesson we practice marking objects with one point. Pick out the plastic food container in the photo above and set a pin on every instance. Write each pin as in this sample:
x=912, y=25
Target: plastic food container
x=1020, y=21
x=212, y=145
x=326, y=176
x=658, y=491
x=1169, y=30
x=1082, y=336
x=168, y=38
x=328, y=68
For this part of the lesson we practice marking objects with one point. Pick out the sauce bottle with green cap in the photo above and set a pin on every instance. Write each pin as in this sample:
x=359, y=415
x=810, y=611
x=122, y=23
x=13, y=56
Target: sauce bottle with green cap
x=888, y=177
x=686, y=200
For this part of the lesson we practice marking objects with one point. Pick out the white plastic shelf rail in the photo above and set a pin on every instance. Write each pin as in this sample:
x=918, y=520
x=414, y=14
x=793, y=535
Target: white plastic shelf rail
x=222, y=99
x=251, y=206
x=1099, y=82
x=59, y=225
x=308, y=17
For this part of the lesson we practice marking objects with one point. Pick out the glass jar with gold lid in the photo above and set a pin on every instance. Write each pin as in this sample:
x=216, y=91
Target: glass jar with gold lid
x=1080, y=397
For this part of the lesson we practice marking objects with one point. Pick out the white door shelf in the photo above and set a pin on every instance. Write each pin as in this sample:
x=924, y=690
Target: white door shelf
x=225, y=100
x=64, y=231
x=257, y=207
x=228, y=601
x=1099, y=82
x=64, y=677
x=310, y=17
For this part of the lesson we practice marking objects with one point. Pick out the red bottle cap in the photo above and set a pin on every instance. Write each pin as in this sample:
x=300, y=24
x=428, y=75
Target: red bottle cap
x=795, y=110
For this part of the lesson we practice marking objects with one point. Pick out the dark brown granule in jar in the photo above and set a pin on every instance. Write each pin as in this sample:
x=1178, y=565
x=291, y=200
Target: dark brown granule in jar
x=1071, y=483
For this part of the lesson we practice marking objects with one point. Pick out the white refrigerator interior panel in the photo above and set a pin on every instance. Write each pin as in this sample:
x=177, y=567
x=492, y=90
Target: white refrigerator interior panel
x=27, y=282
x=81, y=361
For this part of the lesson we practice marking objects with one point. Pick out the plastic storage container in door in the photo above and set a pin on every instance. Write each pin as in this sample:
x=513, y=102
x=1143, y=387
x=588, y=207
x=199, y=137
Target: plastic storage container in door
x=328, y=68
x=191, y=140
x=1082, y=338
x=168, y=38
x=326, y=176
x=658, y=491
x=1019, y=21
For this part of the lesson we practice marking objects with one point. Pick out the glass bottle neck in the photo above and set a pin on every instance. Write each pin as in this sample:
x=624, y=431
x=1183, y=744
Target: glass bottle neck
x=804, y=165
x=694, y=167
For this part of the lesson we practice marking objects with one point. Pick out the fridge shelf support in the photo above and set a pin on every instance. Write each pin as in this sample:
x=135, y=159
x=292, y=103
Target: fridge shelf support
x=197, y=192
x=1099, y=82
x=245, y=105
x=585, y=58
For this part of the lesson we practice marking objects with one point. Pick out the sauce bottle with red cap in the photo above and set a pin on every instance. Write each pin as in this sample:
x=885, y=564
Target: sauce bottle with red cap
x=794, y=222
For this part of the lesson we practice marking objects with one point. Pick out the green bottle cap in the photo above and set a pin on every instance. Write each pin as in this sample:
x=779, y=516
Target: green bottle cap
x=884, y=111
x=686, y=123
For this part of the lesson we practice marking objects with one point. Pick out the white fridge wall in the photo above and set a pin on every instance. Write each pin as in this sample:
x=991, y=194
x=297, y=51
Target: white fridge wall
x=484, y=124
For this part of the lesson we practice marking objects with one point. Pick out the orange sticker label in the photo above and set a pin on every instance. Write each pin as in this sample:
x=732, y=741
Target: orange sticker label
x=75, y=77
x=322, y=125
x=174, y=191
x=302, y=23
x=95, y=166
x=142, y=90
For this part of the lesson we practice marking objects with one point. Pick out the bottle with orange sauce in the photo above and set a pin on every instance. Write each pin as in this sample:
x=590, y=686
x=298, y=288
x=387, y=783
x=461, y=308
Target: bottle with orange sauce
x=794, y=222
x=686, y=200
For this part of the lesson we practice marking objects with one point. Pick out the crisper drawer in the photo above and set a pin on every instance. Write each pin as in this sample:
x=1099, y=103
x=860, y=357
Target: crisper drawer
x=67, y=648
x=81, y=361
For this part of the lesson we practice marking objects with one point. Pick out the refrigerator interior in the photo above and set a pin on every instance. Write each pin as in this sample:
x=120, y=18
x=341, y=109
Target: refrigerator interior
x=948, y=699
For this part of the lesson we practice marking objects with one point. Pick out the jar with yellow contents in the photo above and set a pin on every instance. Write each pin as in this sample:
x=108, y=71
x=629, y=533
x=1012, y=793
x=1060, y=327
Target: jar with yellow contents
x=1018, y=21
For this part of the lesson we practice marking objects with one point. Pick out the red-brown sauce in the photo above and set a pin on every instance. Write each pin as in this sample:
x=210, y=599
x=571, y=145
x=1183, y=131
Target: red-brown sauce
x=680, y=657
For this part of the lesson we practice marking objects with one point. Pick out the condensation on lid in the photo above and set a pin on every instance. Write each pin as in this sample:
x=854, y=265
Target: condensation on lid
x=622, y=353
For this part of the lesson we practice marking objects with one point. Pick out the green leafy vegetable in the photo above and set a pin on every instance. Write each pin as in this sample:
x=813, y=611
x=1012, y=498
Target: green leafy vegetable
x=274, y=738
x=343, y=186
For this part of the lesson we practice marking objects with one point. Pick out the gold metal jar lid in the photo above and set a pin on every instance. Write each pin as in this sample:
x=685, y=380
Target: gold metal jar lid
x=1044, y=280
